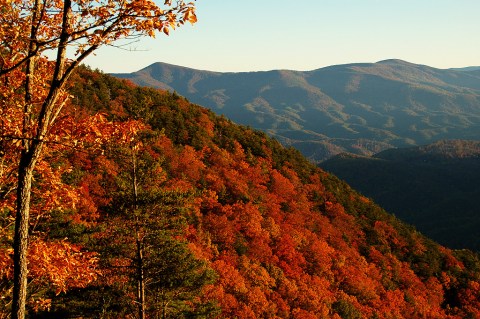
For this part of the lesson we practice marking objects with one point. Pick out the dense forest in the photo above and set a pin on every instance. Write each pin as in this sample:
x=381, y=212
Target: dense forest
x=157, y=203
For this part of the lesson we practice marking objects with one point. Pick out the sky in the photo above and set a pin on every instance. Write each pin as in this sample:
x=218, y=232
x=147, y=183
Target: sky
x=260, y=35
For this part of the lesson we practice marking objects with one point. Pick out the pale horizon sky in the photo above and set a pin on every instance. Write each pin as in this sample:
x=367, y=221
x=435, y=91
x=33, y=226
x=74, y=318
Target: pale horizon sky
x=253, y=35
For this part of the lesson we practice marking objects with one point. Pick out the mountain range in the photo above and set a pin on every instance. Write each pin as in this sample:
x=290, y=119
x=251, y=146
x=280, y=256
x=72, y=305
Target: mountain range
x=434, y=187
x=361, y=108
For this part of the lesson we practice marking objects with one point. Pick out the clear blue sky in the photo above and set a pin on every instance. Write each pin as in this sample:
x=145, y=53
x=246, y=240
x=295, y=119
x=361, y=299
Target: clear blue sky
x=254, y=35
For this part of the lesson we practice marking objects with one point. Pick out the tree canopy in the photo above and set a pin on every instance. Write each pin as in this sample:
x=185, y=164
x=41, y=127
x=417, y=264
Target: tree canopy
x=32, y=91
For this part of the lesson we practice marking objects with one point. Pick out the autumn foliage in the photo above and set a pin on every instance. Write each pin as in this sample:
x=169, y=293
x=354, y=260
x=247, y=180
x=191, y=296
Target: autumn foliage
x=34, y=95
x=285, y=239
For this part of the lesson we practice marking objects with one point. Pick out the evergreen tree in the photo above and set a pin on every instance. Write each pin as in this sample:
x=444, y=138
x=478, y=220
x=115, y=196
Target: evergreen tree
x=147, y=252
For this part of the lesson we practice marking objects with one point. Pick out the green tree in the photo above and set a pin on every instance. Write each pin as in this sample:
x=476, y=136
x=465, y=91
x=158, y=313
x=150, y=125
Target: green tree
x=145, y=229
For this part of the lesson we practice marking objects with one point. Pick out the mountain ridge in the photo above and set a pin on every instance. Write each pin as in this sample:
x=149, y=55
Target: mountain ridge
x=361, y=108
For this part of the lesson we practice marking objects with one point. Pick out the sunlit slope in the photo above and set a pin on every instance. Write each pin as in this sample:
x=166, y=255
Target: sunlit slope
x=285, y=238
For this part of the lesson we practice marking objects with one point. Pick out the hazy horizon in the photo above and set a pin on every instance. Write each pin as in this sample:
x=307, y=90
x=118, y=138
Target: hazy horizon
x=466, y=67
x=308, y=34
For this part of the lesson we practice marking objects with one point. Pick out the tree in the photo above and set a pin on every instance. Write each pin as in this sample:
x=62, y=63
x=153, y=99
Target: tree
x=148, y=221
x=32, y=91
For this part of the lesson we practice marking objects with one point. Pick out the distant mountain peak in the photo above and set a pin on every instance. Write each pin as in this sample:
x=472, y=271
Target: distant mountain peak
x=361, y=108
x=172, y=66
x=395, y=61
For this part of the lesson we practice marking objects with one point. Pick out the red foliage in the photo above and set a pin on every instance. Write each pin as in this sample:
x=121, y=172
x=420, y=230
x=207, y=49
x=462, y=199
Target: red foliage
x=283, y=247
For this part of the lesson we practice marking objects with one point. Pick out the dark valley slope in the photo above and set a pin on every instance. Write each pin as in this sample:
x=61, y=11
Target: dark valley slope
x=359, y=108
x=435, y=187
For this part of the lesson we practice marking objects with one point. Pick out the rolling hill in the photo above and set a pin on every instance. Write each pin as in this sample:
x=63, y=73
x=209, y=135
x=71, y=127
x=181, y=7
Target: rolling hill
x=434, y=187
x=359, y=108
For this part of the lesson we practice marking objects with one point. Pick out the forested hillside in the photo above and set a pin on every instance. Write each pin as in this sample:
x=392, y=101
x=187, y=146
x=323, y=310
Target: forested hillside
x=165, y=201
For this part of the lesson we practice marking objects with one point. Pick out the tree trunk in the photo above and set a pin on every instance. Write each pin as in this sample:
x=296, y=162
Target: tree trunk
x=139, y=242
x=164, y=310
x=32, y=147
x=140, y=282
x=20, y=244
x=28, y=158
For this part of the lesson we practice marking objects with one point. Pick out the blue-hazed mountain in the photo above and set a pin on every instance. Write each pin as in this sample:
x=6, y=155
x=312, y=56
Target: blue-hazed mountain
x=468, y=68
x=359, y=108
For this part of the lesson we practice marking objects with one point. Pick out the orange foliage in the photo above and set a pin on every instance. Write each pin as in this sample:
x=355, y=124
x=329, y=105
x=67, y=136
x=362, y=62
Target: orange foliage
x=283, y=246
x=61, y=264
